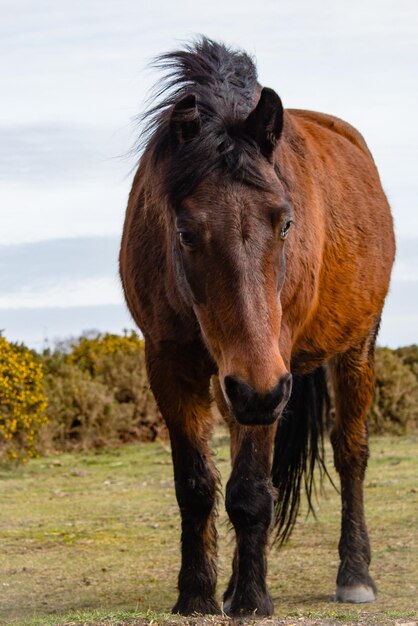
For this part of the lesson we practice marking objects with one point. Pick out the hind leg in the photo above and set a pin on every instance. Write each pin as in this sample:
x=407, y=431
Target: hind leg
x=180, y=382
x=353, y=378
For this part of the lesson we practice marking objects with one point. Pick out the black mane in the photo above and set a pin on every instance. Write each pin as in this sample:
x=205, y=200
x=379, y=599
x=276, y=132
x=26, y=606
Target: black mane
x=223, y=83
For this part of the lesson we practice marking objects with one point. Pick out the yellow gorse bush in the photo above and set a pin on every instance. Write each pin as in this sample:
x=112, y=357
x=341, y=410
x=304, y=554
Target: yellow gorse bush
x=86, y=351
x=22, y=402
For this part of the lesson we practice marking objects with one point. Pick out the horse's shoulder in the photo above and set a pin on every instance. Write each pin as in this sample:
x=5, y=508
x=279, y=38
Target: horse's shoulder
x=334, y=124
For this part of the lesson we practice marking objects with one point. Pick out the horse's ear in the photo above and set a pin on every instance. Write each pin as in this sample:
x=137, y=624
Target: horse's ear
x=185, y=119
x=265, y=123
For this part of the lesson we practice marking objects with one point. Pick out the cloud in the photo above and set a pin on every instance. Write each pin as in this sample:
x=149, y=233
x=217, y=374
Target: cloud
x=77, y=209
x=40, y=327
x=44, y=154
x=66, y=294
x=40, y=266
x=60, y=273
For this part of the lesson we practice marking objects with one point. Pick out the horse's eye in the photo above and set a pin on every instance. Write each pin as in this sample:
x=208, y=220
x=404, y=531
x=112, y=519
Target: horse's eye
x=285, y=229
x=187, y=239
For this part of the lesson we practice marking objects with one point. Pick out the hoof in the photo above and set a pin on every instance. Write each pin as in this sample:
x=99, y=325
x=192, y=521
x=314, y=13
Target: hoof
x=356, y=594
x=226, y=607
x=263, y=607
x=196, y=606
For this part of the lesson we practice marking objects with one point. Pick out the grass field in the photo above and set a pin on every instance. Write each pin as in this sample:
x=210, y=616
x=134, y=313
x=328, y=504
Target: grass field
x=94, y=539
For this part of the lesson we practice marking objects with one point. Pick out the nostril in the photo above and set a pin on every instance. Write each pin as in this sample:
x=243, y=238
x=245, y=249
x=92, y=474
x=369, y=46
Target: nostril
x=231, y=387
x=238, y=392
x=280, y=394
x=286, y=382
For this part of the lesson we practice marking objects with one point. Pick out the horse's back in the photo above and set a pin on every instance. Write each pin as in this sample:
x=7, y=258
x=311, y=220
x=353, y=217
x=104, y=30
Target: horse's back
x=333, y=124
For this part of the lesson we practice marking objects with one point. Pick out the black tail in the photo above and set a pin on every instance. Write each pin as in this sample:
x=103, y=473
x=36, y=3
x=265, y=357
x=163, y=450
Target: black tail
x=299, y=447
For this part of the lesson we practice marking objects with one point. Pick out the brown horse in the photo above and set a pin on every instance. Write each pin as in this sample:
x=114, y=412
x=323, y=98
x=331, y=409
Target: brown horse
x=257, y=251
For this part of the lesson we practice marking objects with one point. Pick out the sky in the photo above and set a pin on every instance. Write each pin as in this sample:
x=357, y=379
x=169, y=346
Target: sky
x=74, y=75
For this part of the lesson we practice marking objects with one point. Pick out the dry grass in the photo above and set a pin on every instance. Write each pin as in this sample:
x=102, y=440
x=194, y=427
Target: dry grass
x=94, y=539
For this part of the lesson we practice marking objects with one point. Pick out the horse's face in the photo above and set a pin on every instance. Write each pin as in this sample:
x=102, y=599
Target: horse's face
x=231, y=239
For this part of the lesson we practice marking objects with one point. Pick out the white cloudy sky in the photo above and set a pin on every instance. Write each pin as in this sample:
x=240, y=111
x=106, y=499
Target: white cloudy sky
x=72, y=79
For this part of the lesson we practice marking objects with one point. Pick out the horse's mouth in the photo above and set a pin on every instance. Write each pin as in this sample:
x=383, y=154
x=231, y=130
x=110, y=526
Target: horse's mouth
x=259, y=418
x=256, y=419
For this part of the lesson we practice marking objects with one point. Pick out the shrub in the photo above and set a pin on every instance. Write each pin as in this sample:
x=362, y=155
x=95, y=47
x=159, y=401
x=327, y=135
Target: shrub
x=409, y=355
x=94, y=393
x=87, y=352
x=22, y=402
x=99, y=394
x=80, y=411
x=395, y=404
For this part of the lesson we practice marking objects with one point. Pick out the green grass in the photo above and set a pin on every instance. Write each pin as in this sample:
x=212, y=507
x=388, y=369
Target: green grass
x=94, y=539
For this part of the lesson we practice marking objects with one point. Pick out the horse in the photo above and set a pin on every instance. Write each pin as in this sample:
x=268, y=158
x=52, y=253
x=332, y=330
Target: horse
x=255, y=258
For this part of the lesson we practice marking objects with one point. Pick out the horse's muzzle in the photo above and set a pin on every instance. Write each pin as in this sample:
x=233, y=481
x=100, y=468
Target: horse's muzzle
x=251, y=408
